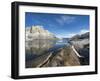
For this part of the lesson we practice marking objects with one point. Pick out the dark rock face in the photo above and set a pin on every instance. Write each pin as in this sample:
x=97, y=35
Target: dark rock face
x=84, y=52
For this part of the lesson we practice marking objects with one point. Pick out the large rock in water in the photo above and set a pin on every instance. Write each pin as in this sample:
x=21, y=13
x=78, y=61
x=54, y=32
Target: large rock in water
x=62, y=57
x=38, y=32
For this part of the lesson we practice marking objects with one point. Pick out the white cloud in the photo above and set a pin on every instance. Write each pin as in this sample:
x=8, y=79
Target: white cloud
x=65, y=19
x=71, y=35
x=83, y=31
x=65, y=35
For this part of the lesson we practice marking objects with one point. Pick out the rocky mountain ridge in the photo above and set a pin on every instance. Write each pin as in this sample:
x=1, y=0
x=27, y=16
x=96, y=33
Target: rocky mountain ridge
x=80, y=37
x=38, y=32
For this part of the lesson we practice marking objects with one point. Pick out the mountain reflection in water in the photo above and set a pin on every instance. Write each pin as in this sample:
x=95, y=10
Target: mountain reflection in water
x=37, y=47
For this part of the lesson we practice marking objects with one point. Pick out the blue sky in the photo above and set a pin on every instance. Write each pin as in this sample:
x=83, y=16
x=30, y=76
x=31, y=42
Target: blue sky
x=62, y=25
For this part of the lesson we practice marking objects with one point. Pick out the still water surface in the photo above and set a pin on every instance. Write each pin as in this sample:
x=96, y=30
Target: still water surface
x=37, y=47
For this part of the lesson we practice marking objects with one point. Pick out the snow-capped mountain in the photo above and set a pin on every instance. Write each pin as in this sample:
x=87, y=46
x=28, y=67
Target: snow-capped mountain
x=38, y=32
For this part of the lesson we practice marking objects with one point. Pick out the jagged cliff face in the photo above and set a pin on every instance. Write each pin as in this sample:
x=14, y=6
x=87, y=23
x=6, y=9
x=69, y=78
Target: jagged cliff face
x=38, y=32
